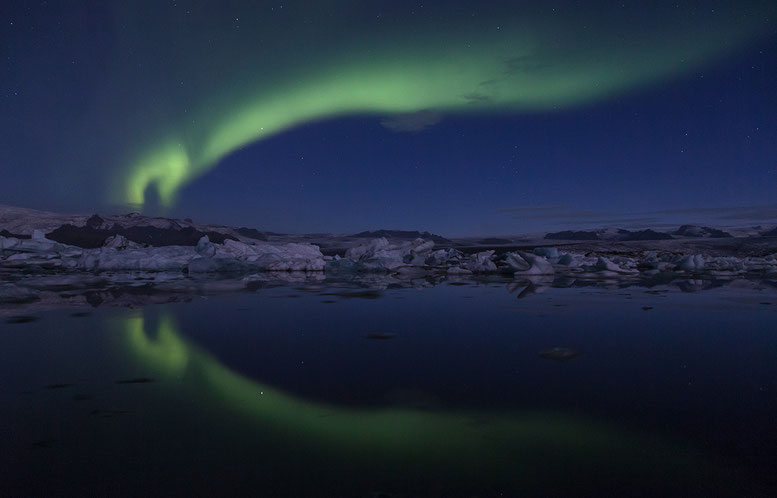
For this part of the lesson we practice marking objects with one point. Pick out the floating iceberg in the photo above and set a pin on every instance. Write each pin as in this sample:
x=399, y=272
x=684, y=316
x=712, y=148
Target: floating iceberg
x=380, y=255
x=691, y=262
x=481, y=262
x=407, y=258
x=529, y=264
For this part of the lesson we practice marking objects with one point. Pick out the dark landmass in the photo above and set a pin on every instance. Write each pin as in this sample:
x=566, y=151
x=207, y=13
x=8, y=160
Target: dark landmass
x=648, y=234
x=6, y=233
x=403, y=234
x=494, y=241
x=697, y=231
x=573, y=235
x=251, y=233
x=770, y=233
x=88, y=237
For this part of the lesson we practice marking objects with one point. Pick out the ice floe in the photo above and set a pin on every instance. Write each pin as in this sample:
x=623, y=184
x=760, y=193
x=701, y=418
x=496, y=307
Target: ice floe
x=522, y=263
x=414, y=257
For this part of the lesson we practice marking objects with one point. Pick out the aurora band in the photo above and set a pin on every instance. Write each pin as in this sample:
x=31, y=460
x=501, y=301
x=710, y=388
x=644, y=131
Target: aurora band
x=517, y=440
x=526, y=67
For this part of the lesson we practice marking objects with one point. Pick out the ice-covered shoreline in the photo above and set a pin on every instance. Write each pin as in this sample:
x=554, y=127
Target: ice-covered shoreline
x=38, y=273
x=36, y=241
x=380, y=255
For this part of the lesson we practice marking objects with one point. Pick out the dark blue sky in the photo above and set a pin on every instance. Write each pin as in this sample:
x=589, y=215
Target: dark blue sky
x=684, y=148
x=706, y=140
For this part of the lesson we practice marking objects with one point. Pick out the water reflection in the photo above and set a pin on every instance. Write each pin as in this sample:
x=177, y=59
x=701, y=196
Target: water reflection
x=30, y=292
x=463, y=397
x=522, y=450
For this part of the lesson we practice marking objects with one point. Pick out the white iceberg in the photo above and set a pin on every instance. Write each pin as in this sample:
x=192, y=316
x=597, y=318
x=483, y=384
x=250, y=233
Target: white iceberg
x=691, y=262
x=522, y=263
x=168, y=258
x=120, y=242
x=270, y=257
x=481, y=262
x=380, y=255
x=547, y=252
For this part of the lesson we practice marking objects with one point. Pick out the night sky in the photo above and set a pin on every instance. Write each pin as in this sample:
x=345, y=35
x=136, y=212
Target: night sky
x=460, y=118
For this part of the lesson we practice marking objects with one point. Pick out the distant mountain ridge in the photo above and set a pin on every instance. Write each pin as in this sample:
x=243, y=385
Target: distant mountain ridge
x=91, y=231
x=88, y=237
x=573, y=235
x=685, y=231
x=648, y=234
x=403, y=234
x=699, y=231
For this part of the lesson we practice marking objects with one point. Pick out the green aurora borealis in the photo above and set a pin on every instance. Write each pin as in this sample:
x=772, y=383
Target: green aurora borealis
x=216, y=85
x=510, y=443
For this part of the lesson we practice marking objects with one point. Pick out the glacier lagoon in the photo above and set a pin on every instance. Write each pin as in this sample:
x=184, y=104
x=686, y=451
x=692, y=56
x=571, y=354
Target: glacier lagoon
x=373, y=386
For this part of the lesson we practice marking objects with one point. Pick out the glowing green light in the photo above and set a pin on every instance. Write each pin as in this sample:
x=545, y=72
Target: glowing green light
x=167, y=167
x=448, y=437
x=167, y=353
x=524, y=66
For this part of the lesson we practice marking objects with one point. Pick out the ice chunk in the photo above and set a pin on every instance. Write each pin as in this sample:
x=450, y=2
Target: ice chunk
x=725, y=264
x=443, y=257
x=367, y=250
x=380, y=255
x=570, y=260
x=285, y=257
x=168, y=258
x=522, y=263
x=120, y=242
x=604, y=264
x=8, y=242
x=213, y=265
x=547, y=252
x=480, y=262
x=341, y=265
x=692, y=262
x=205, y=247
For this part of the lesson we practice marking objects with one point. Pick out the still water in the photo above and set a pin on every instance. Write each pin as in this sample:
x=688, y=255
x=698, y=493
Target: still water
x=337, y=389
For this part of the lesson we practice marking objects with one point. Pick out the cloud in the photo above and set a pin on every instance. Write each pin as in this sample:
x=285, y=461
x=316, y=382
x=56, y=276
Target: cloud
x=553, y=212
x=411, y=122
x=765, y=212
x=624, y=222
x=568, y=215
